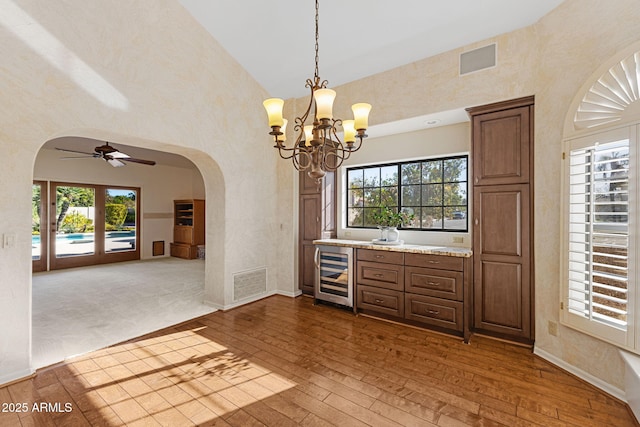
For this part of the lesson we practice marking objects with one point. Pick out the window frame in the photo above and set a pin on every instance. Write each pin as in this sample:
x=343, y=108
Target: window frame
x=399, y=187
x=629, y=339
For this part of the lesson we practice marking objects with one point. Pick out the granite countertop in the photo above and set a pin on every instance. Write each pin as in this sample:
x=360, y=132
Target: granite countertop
x=416, y=249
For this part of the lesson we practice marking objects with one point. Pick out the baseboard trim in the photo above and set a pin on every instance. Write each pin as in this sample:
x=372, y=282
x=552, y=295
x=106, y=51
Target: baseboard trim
x=16, y=377
x=293, y=294
x=585, y=376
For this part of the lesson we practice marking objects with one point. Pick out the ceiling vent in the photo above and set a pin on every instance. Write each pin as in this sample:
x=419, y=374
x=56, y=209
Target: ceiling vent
x=478, y=59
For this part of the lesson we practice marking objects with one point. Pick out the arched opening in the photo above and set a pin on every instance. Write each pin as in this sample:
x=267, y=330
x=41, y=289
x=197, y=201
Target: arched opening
x=76, y=310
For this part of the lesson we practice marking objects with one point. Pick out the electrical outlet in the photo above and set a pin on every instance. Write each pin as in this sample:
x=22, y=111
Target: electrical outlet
x=458, y=239
x=553, y=328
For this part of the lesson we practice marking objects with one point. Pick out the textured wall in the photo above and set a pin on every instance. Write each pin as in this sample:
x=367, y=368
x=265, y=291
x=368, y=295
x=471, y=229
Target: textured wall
x=145, y=74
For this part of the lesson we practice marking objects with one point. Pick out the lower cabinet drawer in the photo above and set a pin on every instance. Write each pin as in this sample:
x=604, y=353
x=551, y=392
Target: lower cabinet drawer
x=381, y=300
x=390, y=276
x=183, y=251
x=434, y=311
x=435, y=283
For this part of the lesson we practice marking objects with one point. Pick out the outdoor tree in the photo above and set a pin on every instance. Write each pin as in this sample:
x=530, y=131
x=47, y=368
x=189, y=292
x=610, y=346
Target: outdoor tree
x=431, y=190
x=67, y=197
x=115, y=214
x=36, y=198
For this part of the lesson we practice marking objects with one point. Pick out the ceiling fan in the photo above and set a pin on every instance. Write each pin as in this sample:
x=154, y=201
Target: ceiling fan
x=109, y=153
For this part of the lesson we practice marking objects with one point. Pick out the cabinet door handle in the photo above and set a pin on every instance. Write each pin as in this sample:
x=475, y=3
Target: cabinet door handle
x=476, y=221
x=379, y=301
x=433, y=283
x=477, y=179
x=433, y=311
x=316, y=259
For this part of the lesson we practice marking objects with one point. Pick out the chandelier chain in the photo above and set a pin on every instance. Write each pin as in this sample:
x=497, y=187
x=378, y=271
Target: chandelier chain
x=316, y=46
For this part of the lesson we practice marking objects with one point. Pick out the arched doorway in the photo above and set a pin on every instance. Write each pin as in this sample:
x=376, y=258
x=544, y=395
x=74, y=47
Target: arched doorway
x=108, y=304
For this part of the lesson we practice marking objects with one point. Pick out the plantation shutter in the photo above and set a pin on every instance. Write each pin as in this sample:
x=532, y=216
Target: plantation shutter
x=597, y=295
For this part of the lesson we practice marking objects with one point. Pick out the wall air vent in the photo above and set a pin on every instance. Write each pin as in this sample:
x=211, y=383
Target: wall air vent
x=249, y=283
x=478, y=59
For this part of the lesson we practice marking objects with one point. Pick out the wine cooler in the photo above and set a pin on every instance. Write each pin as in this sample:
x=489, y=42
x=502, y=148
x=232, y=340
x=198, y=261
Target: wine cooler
x=334, y=275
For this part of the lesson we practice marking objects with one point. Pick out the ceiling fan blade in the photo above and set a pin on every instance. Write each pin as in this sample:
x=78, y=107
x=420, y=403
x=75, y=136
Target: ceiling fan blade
x=77, y=157
x=78, y=152
x=115, y=163
x=118, y=155
x=141, y=161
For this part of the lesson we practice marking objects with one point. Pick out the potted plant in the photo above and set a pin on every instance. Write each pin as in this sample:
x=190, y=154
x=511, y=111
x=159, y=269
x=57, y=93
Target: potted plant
x=388, y=221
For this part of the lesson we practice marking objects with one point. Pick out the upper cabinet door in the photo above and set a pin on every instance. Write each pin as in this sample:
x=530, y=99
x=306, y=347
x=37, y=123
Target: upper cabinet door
x=502, y=146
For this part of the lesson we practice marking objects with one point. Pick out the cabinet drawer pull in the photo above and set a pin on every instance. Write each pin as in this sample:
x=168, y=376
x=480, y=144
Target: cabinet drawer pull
x=379, y=301
x=434, y=262
x=433, y=283
x=379, y=275
x=433, y=311
x=379, y=256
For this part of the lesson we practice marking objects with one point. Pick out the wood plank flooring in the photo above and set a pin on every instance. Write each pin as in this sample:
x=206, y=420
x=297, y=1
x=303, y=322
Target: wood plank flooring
x=285, y=362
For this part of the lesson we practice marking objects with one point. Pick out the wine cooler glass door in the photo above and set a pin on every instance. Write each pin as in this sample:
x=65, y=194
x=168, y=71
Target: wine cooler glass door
x=334, y=275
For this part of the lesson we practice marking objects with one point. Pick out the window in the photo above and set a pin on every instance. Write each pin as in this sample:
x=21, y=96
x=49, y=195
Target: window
x=600, y=217
x=434, y=190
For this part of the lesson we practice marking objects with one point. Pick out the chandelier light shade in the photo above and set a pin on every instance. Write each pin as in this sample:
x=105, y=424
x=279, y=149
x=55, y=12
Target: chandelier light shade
x=317, y=147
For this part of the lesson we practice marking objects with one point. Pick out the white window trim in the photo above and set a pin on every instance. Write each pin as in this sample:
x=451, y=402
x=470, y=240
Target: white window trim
x=629, y=340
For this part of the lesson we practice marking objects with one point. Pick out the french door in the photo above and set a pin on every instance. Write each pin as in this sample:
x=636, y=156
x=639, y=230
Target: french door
x=91, y=224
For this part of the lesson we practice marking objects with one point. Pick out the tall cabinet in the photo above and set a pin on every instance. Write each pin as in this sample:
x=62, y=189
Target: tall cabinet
x=502, y=153
x=188, y=228
x=317, y=220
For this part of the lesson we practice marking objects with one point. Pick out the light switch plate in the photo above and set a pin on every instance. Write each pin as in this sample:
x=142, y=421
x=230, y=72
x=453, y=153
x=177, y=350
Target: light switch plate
x=8, y=240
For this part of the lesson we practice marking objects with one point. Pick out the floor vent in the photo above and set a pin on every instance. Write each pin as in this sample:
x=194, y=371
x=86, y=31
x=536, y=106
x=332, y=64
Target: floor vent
x=478, y=59
x=249, y=283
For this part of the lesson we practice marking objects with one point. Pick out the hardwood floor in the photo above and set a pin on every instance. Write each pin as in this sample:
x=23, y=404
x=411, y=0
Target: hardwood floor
x=283, y=361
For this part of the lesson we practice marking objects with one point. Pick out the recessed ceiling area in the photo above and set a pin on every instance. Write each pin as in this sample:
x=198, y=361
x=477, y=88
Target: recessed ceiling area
x=274, y=40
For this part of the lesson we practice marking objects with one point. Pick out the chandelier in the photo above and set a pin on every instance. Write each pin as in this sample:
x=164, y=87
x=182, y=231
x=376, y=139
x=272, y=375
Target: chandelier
x=317, y=148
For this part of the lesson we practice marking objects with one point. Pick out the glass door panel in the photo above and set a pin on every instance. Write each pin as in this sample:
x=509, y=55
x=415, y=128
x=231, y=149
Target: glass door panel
x=120, y=220
x=74, y=221
x=39, y=226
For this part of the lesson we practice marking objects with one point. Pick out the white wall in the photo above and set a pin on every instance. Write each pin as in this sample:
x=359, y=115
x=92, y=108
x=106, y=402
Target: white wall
x=435, y=142
x=159, y=186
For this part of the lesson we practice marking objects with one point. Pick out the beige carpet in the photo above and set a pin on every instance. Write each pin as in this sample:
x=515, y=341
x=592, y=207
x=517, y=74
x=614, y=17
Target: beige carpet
x=84, y=309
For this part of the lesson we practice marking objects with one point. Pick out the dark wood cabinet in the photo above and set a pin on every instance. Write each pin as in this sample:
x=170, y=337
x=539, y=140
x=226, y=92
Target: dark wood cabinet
x=316, y=220
x=188, y=228
x=501, y=146
x=502, y=152
x=419, y=289
x=502, y=289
